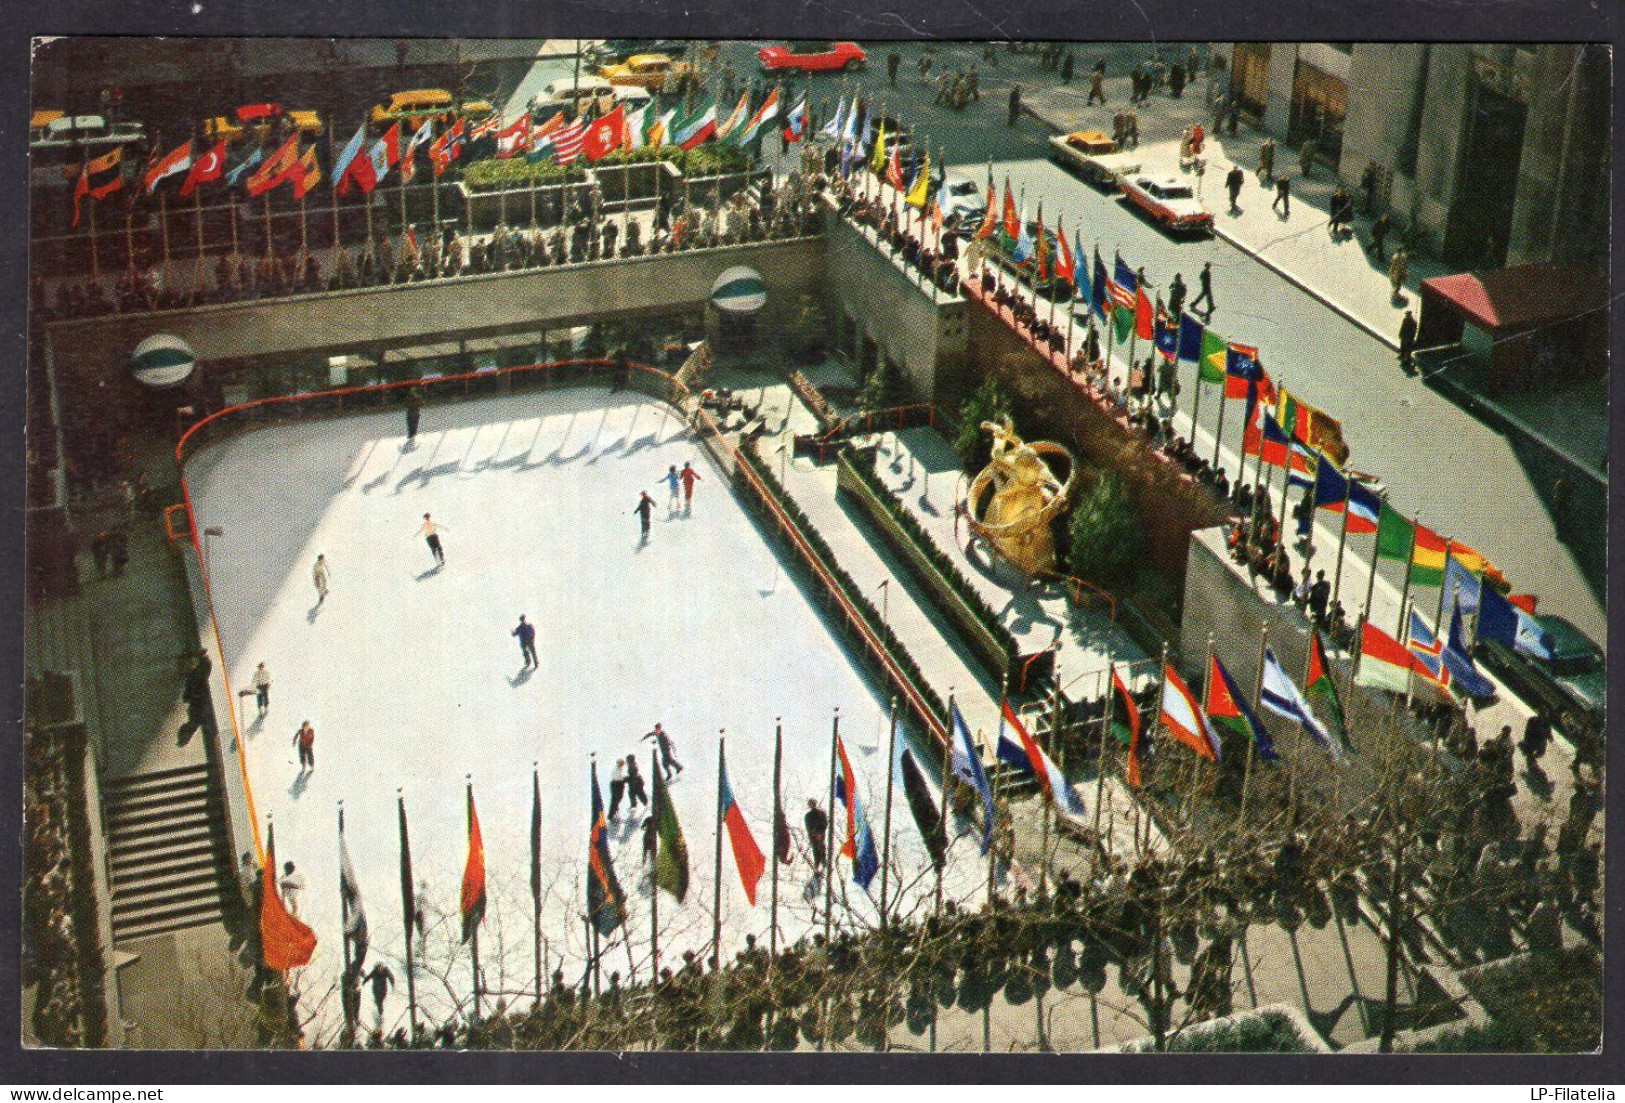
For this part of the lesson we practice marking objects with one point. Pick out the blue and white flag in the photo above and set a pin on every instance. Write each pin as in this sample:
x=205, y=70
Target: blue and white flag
x=1464, y=676
x=1461, y=586
x=967, y=768
x=832, y=129
x=1280, y=695
x=351, y=149
x=245, y=168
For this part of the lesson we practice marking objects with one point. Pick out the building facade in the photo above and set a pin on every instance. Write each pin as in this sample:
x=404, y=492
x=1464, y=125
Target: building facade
x=1495, y=154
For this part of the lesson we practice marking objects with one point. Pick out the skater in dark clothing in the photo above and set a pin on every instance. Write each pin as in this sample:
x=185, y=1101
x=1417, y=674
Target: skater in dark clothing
x=1537, y=733
x=1015, y=105
x=262, y=688
x=382, y=980
x=668, y=761
x=893, y=61
x=305, y=740
x=414, y=410
x=1204, y=294
x=644, y=508
x=431, y=535
x=1176, y=296
x=817, y=824
x=636, y=794
x=651, y=835
x=526, y=634
x=617, y=787
x=1407, y=341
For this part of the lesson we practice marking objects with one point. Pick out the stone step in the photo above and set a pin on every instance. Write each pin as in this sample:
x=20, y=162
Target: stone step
x=156, y=781
x=201, y=822
x=173, y=852
x=175, y=917
x=124, y=815
x=134, y=892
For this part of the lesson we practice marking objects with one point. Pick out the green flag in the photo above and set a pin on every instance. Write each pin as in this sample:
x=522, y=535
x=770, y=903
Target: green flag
x=1395, y=536
x=1321, y=691
x=1123, y=320
x=671, y=862
x=1210, y=361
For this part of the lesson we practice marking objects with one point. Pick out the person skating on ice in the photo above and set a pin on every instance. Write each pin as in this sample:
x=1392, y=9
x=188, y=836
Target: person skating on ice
x=430, y=532
x=617, y=787
x=635, y=792
x=668, y=761
x=689, y=477
x=262, y=688
x=305, y=740
x=318, y=575
x=526, y=634
x=644, y=509
x=673, y=481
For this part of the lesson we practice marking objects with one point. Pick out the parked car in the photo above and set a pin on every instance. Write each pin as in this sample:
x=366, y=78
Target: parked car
x=59, y=143
x=614, y=51
x=963, y=202
x=812, y=57
x=259, y=120
x=1570, y=689
x=412, y=108
x=1003, y=253
x=1094, y=156
x=655, y=72
x=565, y=94
x=1168, y=201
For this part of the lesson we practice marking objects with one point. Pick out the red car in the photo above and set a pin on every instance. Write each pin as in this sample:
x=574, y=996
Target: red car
x=812, y=57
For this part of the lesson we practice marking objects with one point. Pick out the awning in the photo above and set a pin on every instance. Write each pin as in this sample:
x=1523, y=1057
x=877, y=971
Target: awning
x=1521, y=298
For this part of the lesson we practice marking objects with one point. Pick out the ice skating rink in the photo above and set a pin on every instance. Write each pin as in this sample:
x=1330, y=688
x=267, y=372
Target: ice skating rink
x=412, y=680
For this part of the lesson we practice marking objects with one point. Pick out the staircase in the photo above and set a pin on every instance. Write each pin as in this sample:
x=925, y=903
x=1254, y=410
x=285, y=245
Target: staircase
x=167, y=846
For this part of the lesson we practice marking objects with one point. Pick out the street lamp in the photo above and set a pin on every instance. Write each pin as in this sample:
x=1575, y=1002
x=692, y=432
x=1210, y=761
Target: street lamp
x=885, y=602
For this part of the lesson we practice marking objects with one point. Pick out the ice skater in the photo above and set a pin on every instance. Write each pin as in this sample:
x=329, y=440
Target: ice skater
x=644, y=508
x=689, y=476
x=651, y=840
x=526, y=634
x=318, y=575
x=414, y=411
x=635, y=792
x=673, y=483
x=817, y=824
x=292, y=885
x=262, y=688
x=617, y=787
x=382, y=980
x=668, y=761
x=431, y=535
x=305, y=740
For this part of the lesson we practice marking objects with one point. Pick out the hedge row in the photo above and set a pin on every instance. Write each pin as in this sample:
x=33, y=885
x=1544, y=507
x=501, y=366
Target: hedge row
x=862, y=461
x=850, y=589
x=496, y=174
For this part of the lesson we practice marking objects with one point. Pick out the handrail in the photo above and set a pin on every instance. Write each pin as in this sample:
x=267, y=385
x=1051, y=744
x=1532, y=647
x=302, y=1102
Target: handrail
x=1079, y=585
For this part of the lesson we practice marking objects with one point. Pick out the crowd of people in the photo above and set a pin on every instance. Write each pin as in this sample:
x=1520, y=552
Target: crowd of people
x=50, y=950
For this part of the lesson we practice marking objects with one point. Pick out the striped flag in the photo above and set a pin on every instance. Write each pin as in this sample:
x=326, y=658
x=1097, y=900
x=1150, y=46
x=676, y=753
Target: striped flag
x=1025, y=754
x=1184, y=719
x=1319, y=687
x=967, y=770
x=567, y=142
x=1384, y=661
x=471, y=900
x=606, y=903
x=747, y=855
x=860, y=840
x=1279, y=695
x=177, y=160
x=671, y=857
x=1228, y=709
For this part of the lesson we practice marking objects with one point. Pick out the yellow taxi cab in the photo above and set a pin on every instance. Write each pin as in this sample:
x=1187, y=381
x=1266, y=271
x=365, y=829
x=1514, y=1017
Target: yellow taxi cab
x=257, y=120
x=655, y=72
x=39, y=121
x=413, y=107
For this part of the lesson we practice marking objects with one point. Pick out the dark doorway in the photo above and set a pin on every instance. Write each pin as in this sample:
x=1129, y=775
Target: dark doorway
x=1487, y=188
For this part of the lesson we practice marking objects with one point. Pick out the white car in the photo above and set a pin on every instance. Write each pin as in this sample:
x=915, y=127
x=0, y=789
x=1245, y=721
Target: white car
x=963, y=203
x=1094, y=156
x=1169, y=201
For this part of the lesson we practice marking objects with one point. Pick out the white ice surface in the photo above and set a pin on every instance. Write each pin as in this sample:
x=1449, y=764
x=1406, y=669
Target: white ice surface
x=412, y=680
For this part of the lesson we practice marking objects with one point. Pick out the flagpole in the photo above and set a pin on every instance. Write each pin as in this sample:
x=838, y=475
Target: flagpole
x=95, y=251
x=716, y=887
x=197, y=196
x=1046, y=811
x=1207, y=693
x=474, y=939
x=1359, y=653
x=1439, y=626
x=829, y=864
x=1218, y=433
x=333, y=190
x=1110, y=700
x=1405, y=590
x=535, y=872
x=654, y=886
x=1371, y=576
x=1252, y=745
x=406, y=914
x=942, y=813
x=344, y=937
x=1342, y=542
x=163, y=224
x=778, y=819
x=1286, y=485
x=885, y=853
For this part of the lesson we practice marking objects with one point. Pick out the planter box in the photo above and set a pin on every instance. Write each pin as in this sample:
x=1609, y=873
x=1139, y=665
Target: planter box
x=483, y=209
x=640, y=183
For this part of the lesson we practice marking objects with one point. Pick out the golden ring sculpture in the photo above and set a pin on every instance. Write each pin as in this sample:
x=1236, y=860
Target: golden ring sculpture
x=1026, y=497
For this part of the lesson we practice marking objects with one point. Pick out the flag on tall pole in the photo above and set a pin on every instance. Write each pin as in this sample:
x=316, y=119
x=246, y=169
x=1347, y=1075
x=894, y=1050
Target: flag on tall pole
x=967, y=770
x=471, y=898
x=747, y=855
x=1183, y=717
x=1278, y=694
x=671, y=859
x=211, y=165
x=1026, y=755
x=177, y=160
x=860, y=840
x=606, y=903
x=1228, y=709
x=285, y=943
x=355, y=915
x=927, y=816
x=1318, y=687
x=727, y=126
x=408, y=913
x=1125, y=725
x=1385, y=663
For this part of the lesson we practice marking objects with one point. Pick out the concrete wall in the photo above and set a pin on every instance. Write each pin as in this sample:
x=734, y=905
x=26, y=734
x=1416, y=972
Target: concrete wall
x=926, y=338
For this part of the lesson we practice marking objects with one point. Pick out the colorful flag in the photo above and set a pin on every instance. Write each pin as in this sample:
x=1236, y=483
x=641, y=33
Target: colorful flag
x=894, y=168
x=1210, y=366
x=1100, y=294
x=1464, y=675
x=306, y=175
x=1504, y=622
x=927, y=817
x=277, y=168
x=921, y=190
x=1167, y=336
x=1228, y=709
x=1065, y=261
x=727, y=126
x=877, y=155
x=699, y=129
x=1365, y=508
x=605, y=135
x=99, y=178
x=671, y=858
x=990, y=217
x=1331, y=487
x=1281, y=696
x=1190, y=342
x=767, y=111
x=1264, y=438
x=1123, y=276
x=795, y=123
x=423, y=136
x=967, y=770
x=606, y=903
x=747, y=855
x=1319, y=689
x=1085, y=293
x=1427, y=558
x=244, y=167
x=1125, y=725
x=860, y=841
x=1184, y=719
x=1029, y=756
x=832, y=129
x=1384, y=661
x=347, y=155
x=1240, y=368
x=1142, y=316
x=471, y=899
x=210, y=166
x=285, y=943
x=567, y=142
x=176, y=160
x=446, y=148
x=1326, y=435
x=1395, y=535
x=1012, y=221
x=355, y=920
x=1426, y=651
x=659, y=132
x=1461, y=585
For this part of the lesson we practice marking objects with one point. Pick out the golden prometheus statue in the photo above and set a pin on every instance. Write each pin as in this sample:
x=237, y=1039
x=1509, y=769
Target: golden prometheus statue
x=1026, y=497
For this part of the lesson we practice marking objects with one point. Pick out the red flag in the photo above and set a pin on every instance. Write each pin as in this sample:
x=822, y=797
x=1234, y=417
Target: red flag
x=446, y=148
x=392, y=143
x=306, y=175
x=747, y=855
x=1065, y=268
x=277, y=168
x=285, y=943
x=81, y=188
x=210, y=166
x=473, y=894
x=1130, y=725
x=894, y=169
x=605, y=135
x=1012, y=221
x=1142, y=316
x=178, y=159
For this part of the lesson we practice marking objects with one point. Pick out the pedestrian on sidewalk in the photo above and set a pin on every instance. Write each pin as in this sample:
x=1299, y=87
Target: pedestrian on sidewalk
x=318, y=575
x=1283, y=197
x=1015, y=105
x=644, y=508
x=1407, y=341
x=617, y=787
x=893, y=61
x=1368, y=186
x=305, y=740
x=668, y=760
x=1176, y=80
x=1067, y=63
x=1320, y=595
x=1537, y=733
x=1306, y=157
x=689, y=477
x=526, y=634
x=636, y=794
x=1204, y=293
x=1398, y=268
x=382, y=980
x=1176, y=296
x=1379, y=236
x=1233, y=181
x=1097, y=86
x=1266, y=161
x=262, y=688
x=431, y=535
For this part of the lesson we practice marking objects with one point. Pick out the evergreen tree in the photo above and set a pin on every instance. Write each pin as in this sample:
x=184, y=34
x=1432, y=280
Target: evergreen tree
x=1107, y=544
x=987, y=403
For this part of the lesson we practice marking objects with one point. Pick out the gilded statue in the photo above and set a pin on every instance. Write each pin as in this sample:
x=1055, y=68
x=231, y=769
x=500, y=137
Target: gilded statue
x=1025, y=497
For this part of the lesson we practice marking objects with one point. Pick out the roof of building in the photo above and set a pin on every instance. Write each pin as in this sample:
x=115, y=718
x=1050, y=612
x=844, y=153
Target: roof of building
x=1521, y=297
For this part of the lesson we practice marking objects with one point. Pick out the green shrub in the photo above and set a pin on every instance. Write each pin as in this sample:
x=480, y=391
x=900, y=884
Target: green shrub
x=516, y=172
x=987, y=403
x=497, y=174
x=1107, y=544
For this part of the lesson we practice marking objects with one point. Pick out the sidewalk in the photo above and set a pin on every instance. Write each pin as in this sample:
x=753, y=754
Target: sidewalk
x=1339, y=273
